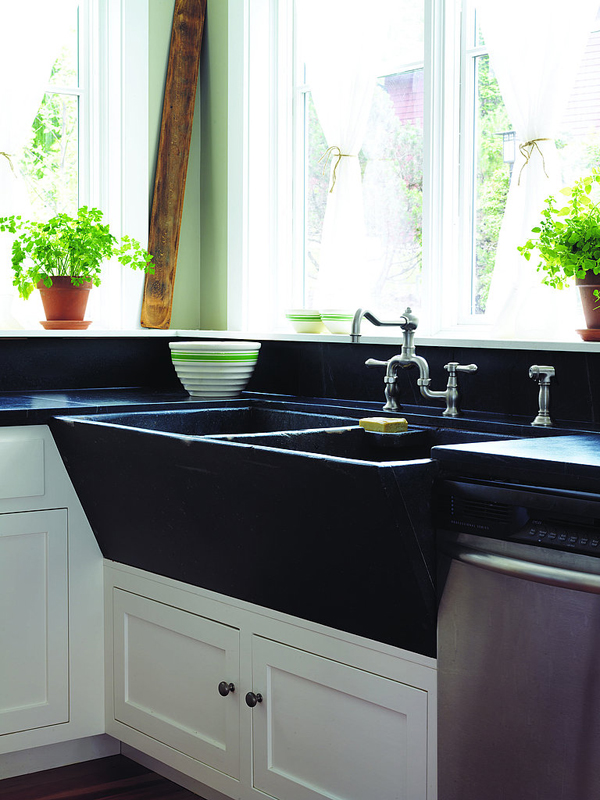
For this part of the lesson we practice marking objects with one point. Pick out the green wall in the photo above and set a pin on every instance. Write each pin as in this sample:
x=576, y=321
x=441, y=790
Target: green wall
x=213, y=162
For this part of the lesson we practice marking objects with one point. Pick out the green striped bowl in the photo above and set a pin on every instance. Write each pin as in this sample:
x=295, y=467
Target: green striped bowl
x=214, y=369
x=337, y=320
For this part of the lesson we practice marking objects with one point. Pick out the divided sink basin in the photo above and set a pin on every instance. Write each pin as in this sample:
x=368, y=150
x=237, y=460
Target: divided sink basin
x=287, y=507
x=307, y=433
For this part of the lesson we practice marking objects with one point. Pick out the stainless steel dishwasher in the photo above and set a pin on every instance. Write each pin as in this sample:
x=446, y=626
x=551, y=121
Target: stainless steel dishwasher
x=518, y=642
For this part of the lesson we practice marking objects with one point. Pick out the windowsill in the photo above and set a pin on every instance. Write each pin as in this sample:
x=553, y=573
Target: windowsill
x=446, y=340
x=576, y=344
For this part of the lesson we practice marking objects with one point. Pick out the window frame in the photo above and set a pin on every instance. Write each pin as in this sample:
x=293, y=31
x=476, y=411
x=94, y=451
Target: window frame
x=272, y=226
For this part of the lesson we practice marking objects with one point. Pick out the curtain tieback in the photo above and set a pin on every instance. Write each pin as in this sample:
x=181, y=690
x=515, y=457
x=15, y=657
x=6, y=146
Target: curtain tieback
x=334, y=152
x=7, y=157
x=526, y=149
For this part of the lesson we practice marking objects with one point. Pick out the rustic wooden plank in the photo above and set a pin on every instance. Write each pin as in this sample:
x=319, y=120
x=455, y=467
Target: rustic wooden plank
x=171, y=165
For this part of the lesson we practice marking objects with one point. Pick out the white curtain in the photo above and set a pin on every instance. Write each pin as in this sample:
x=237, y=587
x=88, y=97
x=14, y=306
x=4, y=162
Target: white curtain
x=338, y=44
x=29, y=44
x=535, y=49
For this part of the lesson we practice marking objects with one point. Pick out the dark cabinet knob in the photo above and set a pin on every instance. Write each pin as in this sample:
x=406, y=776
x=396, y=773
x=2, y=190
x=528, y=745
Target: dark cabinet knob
x=225, y=688
x=252, y=699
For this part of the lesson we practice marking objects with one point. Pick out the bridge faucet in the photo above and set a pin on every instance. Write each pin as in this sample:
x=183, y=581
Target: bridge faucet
x=408, y=358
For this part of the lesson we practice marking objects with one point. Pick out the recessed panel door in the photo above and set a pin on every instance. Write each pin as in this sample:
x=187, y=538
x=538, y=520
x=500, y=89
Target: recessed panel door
x=34, y=620
x=328, y=730
x=168, y=665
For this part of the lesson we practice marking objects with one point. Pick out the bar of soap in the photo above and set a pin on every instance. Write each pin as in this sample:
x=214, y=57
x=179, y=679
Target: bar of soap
x=384, y=424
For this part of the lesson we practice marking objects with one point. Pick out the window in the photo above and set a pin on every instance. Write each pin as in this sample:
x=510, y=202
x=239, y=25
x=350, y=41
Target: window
x=434, y=149
x=88, y=144
x=50, y=157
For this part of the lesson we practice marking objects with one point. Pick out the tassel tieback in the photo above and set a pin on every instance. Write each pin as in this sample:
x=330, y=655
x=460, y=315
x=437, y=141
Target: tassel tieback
x=526, y=149
x=334, y=152
x=7, y=157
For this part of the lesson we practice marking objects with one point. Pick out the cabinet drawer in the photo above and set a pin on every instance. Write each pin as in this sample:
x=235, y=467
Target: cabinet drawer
x=21, y=466
x=168, y=667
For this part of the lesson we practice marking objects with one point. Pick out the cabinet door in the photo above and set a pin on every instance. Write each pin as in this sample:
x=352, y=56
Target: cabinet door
x=34, y=621
x=328, y=730
x=168, y=665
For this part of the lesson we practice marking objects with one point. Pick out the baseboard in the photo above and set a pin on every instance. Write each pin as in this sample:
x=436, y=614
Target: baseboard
x=23, y=762
x=204, y=792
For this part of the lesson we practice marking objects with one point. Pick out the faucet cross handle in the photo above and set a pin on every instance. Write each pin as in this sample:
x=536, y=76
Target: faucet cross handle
x=453, y=367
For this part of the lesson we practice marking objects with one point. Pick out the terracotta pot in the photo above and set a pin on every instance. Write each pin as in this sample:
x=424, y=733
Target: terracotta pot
x=590, y=301
x=63, y=301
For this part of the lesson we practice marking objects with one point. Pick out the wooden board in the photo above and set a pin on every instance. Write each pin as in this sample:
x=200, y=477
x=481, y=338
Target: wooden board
x=171, y=165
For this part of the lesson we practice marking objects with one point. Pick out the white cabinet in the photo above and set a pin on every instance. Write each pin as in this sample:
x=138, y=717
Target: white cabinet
x=51, y=612
x=34, y=623
x=329, y=730
x=169, y=667
x=314, y=714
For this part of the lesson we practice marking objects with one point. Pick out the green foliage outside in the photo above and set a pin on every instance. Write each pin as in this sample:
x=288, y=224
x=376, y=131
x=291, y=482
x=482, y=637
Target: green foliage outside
x=68, y=246
x=49, y=162
x=567, y=239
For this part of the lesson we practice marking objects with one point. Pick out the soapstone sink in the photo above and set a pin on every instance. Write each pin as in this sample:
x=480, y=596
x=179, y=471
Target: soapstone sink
x=300, y=512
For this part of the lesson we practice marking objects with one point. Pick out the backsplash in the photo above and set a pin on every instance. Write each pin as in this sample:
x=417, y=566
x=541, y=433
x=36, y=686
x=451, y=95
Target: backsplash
x=315, y=369
x=501, y=384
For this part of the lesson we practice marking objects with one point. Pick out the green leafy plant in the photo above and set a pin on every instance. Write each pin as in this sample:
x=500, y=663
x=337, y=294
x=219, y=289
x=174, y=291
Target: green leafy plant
x=568, y=237
x=68, y=246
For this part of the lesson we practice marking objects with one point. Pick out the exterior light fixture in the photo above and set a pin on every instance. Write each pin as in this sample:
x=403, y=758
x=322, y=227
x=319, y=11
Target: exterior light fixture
x=509, y=146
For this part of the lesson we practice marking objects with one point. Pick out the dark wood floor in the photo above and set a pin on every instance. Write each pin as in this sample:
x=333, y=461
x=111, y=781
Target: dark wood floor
x=101, y=779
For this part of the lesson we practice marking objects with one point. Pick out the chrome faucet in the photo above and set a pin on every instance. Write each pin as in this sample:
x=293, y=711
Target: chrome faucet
x=542, y=376
x=406, y=359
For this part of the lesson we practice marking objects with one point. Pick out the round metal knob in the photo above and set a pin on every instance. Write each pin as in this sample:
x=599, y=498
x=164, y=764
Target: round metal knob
x=252, y=699
x=225, y=688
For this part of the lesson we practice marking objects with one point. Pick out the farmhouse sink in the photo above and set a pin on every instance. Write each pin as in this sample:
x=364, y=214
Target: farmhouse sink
x=285, y=507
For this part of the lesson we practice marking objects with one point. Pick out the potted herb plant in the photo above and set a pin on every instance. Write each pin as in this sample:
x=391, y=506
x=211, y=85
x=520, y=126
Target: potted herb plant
x=568, y=244
x=63, y=259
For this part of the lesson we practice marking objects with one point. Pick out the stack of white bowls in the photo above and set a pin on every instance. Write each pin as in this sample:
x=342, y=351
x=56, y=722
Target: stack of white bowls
x=305, y=320
x=214, y=370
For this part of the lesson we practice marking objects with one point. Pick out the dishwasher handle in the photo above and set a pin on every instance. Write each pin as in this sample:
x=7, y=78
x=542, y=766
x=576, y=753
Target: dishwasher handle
x=527, y=570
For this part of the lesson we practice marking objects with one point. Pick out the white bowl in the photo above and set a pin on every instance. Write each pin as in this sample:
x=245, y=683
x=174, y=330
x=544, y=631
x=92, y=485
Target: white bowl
x=337, y=320
x=305, y=320
x=214, y=369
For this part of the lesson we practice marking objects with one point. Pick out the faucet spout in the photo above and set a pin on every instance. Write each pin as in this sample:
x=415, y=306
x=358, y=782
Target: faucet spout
x=406, y=320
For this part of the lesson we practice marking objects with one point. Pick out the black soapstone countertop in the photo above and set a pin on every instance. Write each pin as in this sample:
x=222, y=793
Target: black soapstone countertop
x=570, y=461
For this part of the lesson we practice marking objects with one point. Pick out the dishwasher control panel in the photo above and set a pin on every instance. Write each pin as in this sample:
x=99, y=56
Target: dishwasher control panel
x=557, y=520
x=561, y=536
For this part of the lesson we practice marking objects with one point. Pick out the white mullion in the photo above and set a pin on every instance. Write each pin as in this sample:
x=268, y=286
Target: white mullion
x=432, y=274
x=238, y=164
x=467, y=174
x=300, y=91
x=283, y=215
